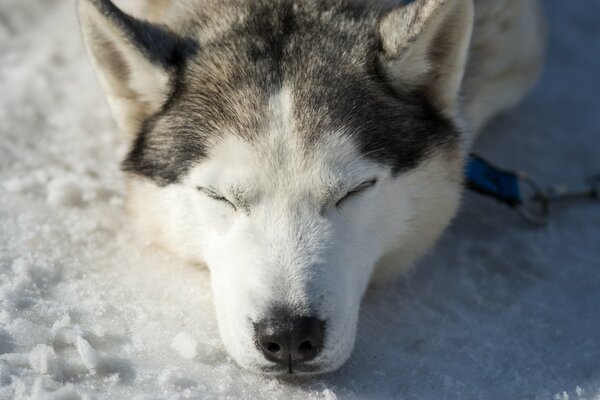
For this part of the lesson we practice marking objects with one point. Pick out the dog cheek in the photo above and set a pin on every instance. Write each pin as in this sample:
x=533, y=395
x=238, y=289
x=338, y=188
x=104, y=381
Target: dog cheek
x=230, y=315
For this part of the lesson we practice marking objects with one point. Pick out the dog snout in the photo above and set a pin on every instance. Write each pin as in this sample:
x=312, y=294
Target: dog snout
x=288, y=340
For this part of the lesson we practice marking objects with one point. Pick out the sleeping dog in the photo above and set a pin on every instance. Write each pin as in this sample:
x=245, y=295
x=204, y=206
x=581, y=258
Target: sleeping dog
x=302, y=148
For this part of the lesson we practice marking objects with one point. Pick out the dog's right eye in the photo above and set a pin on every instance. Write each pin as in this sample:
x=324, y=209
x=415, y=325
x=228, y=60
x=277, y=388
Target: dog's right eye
x=216, y=196
x=357, y=190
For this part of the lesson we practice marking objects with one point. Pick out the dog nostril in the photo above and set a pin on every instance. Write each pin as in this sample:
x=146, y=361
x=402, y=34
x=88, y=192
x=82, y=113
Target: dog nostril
x=273, y=347
x=306, y=346
x=288, y=340
x=309, y=339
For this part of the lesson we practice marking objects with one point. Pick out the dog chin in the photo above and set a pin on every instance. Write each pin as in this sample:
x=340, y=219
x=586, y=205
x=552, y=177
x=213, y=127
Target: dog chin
x=322, y=365
x=296, y=371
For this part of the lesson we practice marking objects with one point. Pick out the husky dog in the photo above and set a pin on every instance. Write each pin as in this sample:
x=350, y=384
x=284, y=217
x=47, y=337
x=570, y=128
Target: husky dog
x=300, y=148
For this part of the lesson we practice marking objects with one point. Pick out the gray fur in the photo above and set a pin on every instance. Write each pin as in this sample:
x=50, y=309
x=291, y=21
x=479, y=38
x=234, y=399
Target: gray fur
x=269, y=137
x=327, y=51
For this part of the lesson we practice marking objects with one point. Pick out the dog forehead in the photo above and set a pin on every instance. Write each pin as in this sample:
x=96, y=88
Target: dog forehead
x=325, y=59
x=280, y=156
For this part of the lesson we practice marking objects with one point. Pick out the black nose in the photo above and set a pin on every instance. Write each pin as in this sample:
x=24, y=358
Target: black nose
x=288, y=340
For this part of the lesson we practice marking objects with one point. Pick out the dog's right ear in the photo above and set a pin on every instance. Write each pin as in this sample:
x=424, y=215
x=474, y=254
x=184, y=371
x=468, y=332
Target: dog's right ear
x=135, y=60
x=425, y=44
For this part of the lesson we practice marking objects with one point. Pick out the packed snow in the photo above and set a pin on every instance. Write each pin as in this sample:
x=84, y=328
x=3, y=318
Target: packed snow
x=90, y=310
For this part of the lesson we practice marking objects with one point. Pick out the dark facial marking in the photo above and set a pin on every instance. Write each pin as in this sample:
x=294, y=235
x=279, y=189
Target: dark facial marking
x=327, y=52
x=157, y=43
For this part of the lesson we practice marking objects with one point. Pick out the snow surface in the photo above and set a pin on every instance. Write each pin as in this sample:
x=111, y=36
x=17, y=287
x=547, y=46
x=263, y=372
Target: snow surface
x=500, y=310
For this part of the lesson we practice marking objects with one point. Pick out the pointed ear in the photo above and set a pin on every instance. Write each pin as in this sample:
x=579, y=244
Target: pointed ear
x=135, y=60
x=425, y=44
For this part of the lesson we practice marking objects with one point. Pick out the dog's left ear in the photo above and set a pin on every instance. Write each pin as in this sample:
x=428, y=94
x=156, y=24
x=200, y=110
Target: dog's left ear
x=425, y=45
x=135, y=60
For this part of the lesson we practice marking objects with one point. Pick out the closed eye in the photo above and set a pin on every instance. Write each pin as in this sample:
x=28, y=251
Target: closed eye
x=216, y=196
x=357, y=190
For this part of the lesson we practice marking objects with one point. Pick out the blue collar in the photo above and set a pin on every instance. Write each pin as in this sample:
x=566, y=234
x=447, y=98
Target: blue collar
x=484, y=178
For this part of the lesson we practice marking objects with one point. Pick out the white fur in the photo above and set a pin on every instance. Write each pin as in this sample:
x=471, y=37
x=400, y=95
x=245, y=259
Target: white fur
x=292, y=245
x=287, y=243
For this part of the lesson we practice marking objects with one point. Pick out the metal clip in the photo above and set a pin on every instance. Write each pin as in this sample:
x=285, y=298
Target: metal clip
x=589, y=190
x=535, y=207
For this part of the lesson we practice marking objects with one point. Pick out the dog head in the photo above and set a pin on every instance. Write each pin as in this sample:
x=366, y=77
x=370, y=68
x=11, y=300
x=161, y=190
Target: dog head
x=290, y=146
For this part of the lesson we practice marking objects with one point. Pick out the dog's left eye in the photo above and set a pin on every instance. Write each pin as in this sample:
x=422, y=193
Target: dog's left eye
x=357, y=190
x=215, y=196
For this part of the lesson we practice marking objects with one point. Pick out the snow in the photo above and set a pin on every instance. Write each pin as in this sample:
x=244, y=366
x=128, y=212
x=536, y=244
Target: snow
x=88, y=310
x=88, y=355
x=185, y=345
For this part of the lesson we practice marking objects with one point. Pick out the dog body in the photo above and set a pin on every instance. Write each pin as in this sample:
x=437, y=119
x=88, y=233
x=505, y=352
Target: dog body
x=301, y=148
